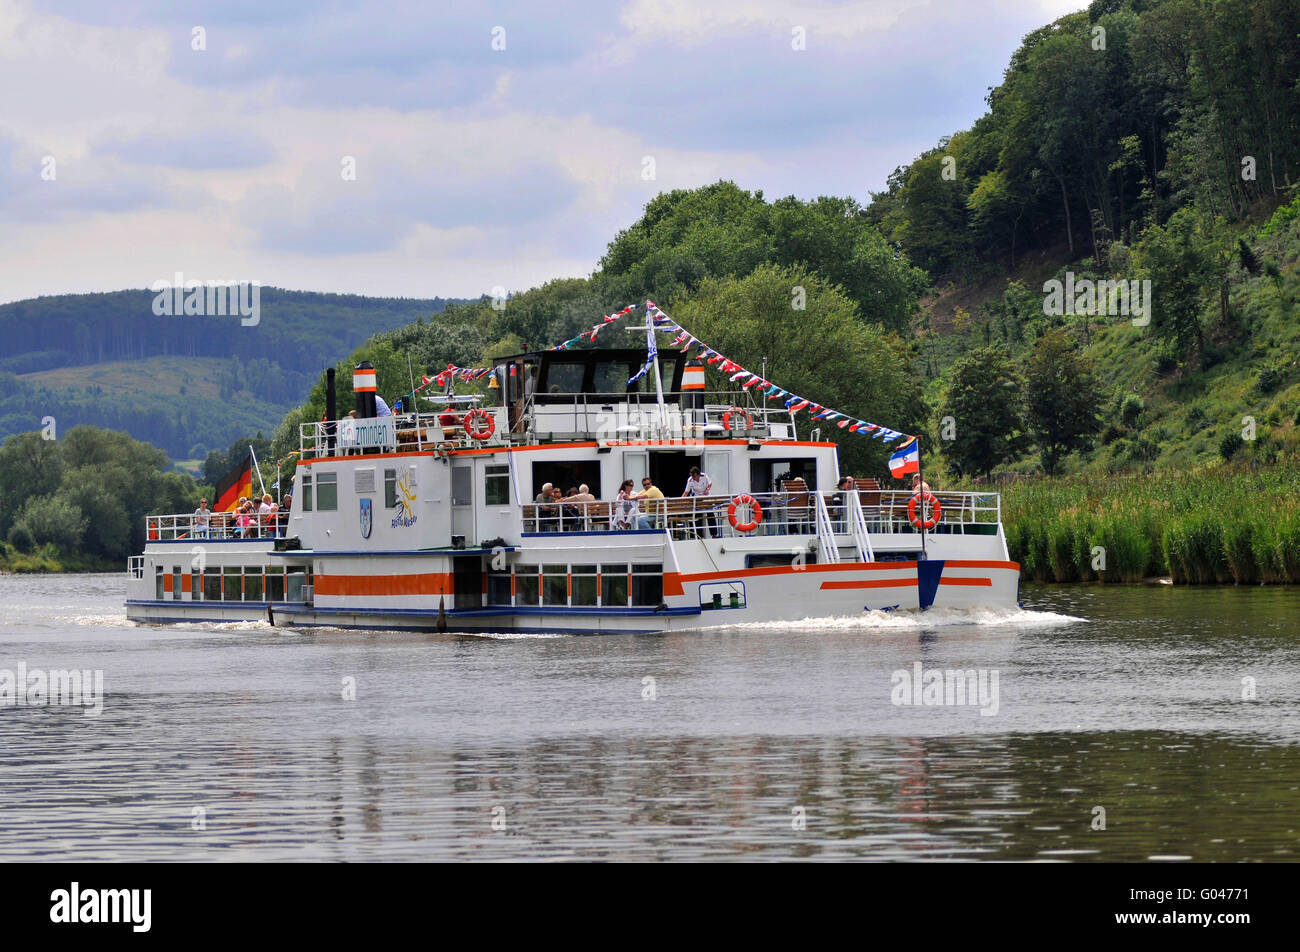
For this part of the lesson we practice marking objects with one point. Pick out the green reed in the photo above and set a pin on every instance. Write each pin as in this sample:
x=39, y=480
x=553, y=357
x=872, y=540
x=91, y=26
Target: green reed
x=1204, y=526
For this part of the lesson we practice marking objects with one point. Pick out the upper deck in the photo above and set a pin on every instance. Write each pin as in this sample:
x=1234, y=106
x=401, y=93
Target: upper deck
x=565, y=396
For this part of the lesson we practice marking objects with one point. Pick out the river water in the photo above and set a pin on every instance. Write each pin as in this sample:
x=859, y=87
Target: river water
x=1115, y=724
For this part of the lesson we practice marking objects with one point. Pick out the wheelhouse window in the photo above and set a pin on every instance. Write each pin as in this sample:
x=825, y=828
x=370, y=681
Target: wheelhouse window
x=306, y=492
x=327, y=492
x=496, y=485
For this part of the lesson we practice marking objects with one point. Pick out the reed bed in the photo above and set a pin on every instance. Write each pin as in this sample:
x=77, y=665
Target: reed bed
x=1217, y=525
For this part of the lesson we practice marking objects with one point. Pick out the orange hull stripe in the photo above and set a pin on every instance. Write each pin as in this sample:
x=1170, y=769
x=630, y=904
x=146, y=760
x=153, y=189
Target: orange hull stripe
x=979, y=564
x=679, y=578
x=871, y=583
x=428, y=583
x=987, y=582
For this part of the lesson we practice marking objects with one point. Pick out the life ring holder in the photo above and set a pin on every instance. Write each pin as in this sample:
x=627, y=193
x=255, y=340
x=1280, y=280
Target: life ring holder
x=726, y=418
x=936, y=510
x=477, y=430
x=755, y=507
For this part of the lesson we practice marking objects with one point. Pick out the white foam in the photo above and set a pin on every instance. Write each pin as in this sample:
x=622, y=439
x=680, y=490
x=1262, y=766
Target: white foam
x=933, y=618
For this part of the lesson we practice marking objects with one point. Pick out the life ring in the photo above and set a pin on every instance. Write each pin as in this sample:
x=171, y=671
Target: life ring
x=936, y=511
x=726, y=418
x=479, y=424
x=745, y=499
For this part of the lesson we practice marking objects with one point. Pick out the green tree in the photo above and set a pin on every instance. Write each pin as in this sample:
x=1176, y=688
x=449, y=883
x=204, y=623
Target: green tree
x=1063, y=399
x=824, y=353
x=53, y=520
x=984, y=400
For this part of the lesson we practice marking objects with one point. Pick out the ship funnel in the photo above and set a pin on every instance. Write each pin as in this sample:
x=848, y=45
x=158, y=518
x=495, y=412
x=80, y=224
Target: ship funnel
x=363, y=386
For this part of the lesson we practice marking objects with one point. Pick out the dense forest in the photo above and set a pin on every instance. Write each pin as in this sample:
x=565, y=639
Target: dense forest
x=255, y=372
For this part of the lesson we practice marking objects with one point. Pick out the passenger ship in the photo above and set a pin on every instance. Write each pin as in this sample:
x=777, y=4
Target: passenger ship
x=427, y=520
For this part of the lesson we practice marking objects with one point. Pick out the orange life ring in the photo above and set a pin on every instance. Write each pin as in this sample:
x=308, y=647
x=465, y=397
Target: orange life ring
x=483, y=429
x=745, y=499
x=726, y=418
x=936, y=511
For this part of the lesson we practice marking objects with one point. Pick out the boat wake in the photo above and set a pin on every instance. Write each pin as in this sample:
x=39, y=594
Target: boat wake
x=921, y=621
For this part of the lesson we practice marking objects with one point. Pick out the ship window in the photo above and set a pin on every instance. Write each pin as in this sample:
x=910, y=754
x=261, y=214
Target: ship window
x=232, y=588
x=158, y=582
x=555, y=584
x=327, y=492
x=498, y=587
x=564, y=378
x=526, y=582
x=647, y=584
x=212, y=585
x=252, y=584
x=306, y=492
x=196, y=586
x=275, y=584
x=613, y=585
x=293, y=583
x=584, y=584
x=390, y=489
x=496, y=485
x=612, y=377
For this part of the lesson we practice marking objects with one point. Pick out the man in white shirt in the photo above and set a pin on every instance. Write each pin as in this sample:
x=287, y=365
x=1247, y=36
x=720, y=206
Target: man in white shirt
x=699, y=484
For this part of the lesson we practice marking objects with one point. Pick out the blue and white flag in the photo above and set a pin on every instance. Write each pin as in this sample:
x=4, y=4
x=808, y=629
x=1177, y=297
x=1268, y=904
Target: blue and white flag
x=652, y=352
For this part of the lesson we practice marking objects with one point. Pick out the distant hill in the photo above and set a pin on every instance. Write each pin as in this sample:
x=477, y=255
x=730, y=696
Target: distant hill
x=187, y=384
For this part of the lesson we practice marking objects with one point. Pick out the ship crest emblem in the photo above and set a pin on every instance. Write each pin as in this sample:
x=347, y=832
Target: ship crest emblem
x=367, y=518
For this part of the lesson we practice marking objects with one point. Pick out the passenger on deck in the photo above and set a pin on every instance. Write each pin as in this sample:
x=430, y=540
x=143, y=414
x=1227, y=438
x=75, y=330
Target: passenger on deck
x=245, y=520
x=265, y=522
x=839, y=503
x=919, y=486
x=202, y=518
x=625, y=507
x=285, y=505
x=548, y=513
x=649, y=491
x=699, y=484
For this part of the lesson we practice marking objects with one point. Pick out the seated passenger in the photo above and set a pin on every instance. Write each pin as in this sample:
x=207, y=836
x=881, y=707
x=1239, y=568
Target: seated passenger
x=625, y=507
x=649, y=491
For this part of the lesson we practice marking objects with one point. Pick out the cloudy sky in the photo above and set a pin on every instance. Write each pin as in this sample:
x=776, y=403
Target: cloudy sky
x=435, y=148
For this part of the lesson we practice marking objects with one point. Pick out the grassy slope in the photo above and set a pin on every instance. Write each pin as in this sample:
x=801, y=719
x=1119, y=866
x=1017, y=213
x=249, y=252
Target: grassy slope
x=1187, y=412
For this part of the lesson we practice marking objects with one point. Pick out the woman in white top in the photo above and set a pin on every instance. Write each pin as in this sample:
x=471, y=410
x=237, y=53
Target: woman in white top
x=699, y=484
x=625, y=506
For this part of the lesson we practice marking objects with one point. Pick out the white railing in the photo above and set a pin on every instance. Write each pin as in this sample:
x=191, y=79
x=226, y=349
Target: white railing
x=220, y=525
x=442, y=430
x=830, y=552
x=877, y=512
x=135, y=566
x=858, y=523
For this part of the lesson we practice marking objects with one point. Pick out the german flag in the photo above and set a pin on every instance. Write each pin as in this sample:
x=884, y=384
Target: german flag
x=238, y=482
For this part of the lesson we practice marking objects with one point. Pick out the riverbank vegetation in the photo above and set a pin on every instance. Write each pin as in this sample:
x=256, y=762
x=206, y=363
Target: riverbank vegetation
x=1224, y=524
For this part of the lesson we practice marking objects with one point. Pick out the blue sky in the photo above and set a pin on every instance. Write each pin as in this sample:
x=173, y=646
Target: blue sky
x=127, y=154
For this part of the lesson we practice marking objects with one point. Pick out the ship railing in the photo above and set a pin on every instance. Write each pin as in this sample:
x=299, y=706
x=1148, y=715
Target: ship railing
x=135, y=566
x=219, y=526
x=688, y=415
x=441, y=430
x=783, y=514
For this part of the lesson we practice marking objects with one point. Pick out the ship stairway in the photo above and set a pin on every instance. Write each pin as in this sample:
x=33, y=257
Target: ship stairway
x=858, y=522
x=830, y=552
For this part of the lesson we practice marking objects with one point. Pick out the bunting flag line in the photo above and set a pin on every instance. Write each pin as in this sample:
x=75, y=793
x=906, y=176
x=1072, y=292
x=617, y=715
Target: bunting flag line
x=658, y=321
